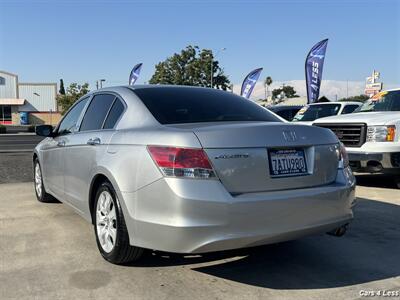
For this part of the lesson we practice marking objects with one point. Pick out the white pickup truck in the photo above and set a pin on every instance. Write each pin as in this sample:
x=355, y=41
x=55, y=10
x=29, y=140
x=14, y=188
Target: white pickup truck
x=371, y=134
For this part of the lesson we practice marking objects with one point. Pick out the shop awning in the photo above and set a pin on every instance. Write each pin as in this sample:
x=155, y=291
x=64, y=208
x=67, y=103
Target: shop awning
x=12, y=101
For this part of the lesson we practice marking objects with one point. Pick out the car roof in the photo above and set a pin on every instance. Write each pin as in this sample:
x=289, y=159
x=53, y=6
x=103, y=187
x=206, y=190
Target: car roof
x=338, y=102
x=285, y=107
x=392, y=90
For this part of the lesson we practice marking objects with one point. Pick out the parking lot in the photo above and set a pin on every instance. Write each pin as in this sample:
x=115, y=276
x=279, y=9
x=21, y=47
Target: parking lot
x=18, y=142
x=49, y=252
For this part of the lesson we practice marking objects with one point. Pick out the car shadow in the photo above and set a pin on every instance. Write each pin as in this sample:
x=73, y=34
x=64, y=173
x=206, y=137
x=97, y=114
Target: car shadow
x=368, y=252
x=376, y=180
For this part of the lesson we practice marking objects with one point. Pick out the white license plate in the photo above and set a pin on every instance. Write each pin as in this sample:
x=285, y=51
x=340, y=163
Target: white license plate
x=287, y=162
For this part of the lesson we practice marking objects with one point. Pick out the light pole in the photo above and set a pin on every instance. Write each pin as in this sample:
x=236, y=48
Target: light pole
x=212, y=65
x=99, y=82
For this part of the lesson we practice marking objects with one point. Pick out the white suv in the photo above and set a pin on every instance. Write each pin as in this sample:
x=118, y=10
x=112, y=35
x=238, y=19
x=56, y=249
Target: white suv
x=371, y=134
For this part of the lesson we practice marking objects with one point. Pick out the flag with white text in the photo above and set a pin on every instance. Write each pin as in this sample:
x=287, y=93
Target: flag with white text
x=314, y=66
x=250, y=82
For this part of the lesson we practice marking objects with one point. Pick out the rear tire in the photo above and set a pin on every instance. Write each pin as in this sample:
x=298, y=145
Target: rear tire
x=110, y=229
x=40, y=191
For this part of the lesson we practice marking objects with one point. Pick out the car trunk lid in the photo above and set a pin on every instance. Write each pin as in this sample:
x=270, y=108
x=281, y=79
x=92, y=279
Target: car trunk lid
x=243, y=154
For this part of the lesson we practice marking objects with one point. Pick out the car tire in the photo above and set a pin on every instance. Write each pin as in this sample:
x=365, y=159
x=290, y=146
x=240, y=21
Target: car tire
x=110, y=229
x=40, y=191
x=397, y=181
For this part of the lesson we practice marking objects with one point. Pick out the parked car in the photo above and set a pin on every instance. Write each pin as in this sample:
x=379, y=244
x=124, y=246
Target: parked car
x=286, y=111
x=191, y=170
x=371, y=134
x=314, y=111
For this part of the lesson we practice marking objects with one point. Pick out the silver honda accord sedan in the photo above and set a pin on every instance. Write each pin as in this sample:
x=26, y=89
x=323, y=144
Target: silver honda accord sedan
x=191, y=170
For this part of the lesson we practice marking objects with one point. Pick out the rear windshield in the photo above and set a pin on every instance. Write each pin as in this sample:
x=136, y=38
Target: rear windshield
x=176, y=105
x=313, y=112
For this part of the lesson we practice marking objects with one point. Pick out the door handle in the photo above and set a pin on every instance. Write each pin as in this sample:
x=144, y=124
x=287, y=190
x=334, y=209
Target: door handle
x=94, y=141
x=61, y=143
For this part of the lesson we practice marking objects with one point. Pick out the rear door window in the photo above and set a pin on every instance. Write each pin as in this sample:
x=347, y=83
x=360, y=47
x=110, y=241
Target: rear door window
x=97, y=112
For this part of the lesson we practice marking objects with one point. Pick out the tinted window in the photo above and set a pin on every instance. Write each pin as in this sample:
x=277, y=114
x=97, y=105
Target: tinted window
x=383, y=101
x=5, y=113
x=96, y=112
x=173, y=105
x=68, y=124
x=348, y=109
x=114, y=114
x=286, y=114
x=313, y=112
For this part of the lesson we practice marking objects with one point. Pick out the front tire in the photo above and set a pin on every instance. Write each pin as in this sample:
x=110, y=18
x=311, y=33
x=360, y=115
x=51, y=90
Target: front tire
x=110, y=229
x=40, y=191
x=397, y=181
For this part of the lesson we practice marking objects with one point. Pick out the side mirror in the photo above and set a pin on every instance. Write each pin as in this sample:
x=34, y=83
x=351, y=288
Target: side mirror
x=44, y=130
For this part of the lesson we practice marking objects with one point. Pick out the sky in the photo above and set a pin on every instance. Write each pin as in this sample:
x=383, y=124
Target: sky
x=83, y=41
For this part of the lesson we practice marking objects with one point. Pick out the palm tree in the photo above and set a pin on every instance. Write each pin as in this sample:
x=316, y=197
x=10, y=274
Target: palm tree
x=267, y=83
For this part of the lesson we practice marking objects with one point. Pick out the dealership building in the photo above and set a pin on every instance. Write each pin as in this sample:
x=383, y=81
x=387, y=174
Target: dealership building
x=27, y=103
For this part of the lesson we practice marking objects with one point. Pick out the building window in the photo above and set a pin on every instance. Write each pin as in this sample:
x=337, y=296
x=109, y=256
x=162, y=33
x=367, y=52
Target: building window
x=2, y=81
x=5, y=114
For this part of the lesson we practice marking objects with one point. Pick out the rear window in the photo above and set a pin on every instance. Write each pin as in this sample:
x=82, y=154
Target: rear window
x=175, y=105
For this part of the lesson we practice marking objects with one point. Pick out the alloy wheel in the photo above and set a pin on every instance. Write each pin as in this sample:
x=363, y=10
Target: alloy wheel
x=38, y=180
x=106, y=221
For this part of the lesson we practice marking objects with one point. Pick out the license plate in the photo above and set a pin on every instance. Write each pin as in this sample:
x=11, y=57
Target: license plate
x=287, y=162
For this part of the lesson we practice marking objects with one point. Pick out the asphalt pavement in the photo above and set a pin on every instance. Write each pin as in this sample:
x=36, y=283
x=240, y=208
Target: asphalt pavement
x=22, y=142
x=49, y=252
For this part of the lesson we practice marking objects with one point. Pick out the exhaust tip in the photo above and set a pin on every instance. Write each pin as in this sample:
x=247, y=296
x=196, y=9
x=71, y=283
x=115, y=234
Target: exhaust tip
x=340, y=231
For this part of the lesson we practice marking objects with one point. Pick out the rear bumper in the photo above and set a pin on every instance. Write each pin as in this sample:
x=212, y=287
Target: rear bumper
x=197, y=216
x=374, y=162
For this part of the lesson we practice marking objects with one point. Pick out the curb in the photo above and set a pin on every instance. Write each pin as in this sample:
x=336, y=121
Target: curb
x=17, y=134
x=17, y=151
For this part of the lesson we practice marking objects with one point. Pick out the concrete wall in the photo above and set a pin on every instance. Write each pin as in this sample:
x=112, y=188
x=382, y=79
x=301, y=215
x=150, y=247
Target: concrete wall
x=9, y=89
x=15, y=115
x=44, y=118
x=39, y=96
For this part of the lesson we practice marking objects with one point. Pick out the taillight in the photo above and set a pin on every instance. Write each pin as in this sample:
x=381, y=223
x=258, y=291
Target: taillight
x=182, y=162
x=343, y=157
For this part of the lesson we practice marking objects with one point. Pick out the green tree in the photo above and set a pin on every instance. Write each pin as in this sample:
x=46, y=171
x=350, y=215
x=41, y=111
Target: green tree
x=191, y=66
x=62, y=89
x=288, y=90
x=359, y=98
x=74, y=92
